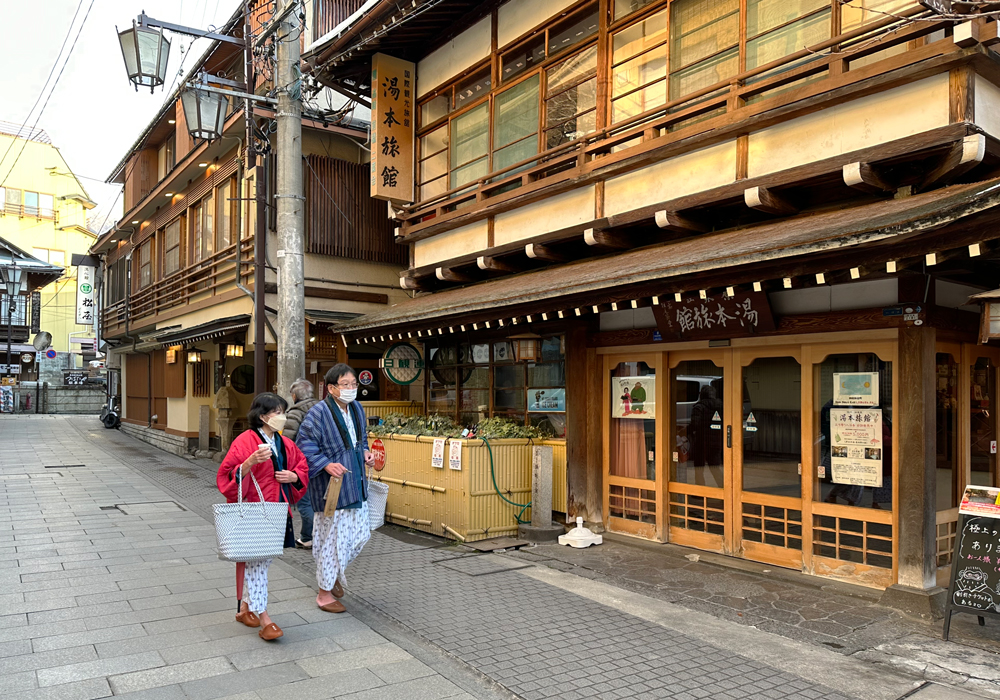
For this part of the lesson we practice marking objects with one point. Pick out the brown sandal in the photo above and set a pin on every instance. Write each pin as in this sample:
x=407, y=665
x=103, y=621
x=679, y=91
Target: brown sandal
x=248, y=618
x=335, y=607
x=270, y=633
x=337, y=590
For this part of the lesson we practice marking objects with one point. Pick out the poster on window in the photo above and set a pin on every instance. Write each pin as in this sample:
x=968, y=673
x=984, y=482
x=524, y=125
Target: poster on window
x=855, y=389
x=856, y=446
x=546, y=399
x=633, y=397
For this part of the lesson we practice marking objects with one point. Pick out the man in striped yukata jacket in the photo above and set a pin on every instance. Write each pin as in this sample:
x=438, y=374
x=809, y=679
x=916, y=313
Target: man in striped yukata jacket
x=334, y=440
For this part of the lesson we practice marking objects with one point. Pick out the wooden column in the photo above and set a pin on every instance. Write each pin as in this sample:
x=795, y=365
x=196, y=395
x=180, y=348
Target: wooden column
x=916, y=591
x=583, y=427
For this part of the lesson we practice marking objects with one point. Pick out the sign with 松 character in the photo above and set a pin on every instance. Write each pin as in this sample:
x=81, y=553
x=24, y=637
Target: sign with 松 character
x=85, y=307
x=394, y=84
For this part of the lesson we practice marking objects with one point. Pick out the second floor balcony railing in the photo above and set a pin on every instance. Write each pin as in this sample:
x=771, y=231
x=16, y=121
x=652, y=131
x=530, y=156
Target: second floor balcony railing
x=810, y=71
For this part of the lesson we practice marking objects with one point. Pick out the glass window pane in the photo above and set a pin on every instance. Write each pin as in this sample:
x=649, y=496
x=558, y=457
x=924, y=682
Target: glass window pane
x=470, y=136
x=508, y=377
x=633, y=429
x=640, y=70
x=573, y=30
x=697, y=388
x=224, y=220
x=572, y=71
x=829, y=490
x=652, y=31
x=946, y=422
x=572, y=129
x=434, y=109
x=468, y=173
x=550, y=424
x=13, y=196
x=704, y=74
x=516, y=113
x=772, y=426
x=30, y=202
x=763, y=15
x=40, y=253
x=639, y=101
x=627, y=7
x=982, y=422
x=45, y=204
x=434, y=167
x=57, y=257
x=472, y=88
x=701, y=28
x=788, y=40
x=433, y=142
x=855, y=14
x=515, y=153
x=522, y=57
x=434, y=188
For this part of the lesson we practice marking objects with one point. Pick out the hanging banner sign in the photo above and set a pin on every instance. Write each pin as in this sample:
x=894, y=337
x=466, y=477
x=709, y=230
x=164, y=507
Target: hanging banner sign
x=393, y=118
x=85, y=280
x=856, y=446
x=855, y=389
x=633, y=397
x=36, y=312
x=720, y=316
x=455, y=455
x=437, y=453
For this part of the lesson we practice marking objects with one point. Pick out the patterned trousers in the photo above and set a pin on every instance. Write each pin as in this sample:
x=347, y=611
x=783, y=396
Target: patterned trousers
x=337, y=541
x=255, y=585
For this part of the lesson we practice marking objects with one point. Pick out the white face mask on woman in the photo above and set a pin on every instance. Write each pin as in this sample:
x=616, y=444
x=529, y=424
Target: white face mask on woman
x=277, y=423
x=348, y=395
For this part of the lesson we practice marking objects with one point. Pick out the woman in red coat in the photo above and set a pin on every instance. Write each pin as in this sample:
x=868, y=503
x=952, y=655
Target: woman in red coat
x=282, y=473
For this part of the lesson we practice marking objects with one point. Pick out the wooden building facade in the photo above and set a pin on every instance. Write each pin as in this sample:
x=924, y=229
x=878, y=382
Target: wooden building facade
x=710, y=218
x=178, y=269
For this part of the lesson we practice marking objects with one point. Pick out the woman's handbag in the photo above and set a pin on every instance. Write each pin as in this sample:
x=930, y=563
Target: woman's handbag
x=250, y=531
x=378, y=497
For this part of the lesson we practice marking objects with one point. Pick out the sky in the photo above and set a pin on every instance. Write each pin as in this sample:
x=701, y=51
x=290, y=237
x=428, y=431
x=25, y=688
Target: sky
x=94, y=114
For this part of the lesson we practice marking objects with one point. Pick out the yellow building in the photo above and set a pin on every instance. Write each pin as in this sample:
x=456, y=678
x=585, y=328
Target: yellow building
x=44, y=212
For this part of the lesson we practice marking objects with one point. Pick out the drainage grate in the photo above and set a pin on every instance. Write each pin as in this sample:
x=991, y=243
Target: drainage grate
x=150, y=507
x=63, y=466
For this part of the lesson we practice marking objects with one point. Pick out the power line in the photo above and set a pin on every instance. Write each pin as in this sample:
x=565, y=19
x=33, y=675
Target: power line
x=52, y=89
x=45, y=84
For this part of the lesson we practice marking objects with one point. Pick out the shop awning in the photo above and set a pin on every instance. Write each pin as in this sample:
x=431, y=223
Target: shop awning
x=326, y=316
x=881, y=227
x=218, y=328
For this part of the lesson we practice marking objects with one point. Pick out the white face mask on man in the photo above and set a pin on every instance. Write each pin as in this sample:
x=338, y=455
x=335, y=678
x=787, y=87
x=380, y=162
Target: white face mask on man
x=348, y=395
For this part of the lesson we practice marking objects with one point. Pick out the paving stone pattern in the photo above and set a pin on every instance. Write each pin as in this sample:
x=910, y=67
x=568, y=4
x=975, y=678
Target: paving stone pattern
x=111, y=586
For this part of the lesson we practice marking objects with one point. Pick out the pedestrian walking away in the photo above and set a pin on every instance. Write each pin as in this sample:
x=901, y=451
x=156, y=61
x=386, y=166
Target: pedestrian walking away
x=334, y=441
x=302, y=394
x=282, y=473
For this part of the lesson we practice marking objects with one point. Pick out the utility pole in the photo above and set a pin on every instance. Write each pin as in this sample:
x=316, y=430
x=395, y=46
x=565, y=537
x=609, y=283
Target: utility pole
x=290, y=202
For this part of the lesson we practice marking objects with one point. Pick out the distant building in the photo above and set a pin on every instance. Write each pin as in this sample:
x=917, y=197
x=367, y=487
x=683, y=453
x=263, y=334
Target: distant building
x=43, y=211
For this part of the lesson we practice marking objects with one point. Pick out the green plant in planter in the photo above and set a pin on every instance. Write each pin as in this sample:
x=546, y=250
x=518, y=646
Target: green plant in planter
x=506, y=429
x=433, y=425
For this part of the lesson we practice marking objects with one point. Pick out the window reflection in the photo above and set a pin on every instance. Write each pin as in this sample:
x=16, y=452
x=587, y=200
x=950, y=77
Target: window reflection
x=697, y=388
x=772, y=426
x=982, y=422
x=946, y=421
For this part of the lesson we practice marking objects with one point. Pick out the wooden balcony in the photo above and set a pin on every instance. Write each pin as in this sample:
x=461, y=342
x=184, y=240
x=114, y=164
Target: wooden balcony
x=207, y=282
x=841, y=68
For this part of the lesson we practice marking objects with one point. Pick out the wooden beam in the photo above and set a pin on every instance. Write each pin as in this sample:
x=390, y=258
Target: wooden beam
x=537, y=251
x=963, y=156
x=341, y=294
x=448, y=274
x=409, y=283
x=865, y=177
x=767, y=201
x=492, y=264
x=605, y=239
x=672, y=221
x=966, y=34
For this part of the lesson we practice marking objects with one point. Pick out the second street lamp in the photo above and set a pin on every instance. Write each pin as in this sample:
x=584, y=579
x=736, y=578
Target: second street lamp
x=205, y=112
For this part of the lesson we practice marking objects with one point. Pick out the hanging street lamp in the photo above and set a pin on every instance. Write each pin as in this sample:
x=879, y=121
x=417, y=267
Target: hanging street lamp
x=145, y=51
x=204, y=111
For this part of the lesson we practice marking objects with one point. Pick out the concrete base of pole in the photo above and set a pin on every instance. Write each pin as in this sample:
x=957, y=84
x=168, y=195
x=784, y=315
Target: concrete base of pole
x=541, y=533
x=926, y=604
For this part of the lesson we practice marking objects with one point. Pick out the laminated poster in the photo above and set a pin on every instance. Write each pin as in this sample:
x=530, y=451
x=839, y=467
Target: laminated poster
x=982, y=501
x=437, y=454
x=455, y=455
x=856, y=446
x=855, y=389
x=633, y=397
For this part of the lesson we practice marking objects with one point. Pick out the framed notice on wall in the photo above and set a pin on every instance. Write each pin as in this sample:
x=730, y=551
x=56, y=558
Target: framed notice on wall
x=855, y=389
x=856, y=446
x=633, y=397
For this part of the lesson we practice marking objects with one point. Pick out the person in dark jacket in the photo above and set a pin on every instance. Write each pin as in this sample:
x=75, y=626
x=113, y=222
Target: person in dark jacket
x=302, y=394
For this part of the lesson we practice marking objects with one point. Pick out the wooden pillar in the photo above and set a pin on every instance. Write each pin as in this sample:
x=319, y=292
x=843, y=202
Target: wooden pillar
x=916, y=591
x=583, y=427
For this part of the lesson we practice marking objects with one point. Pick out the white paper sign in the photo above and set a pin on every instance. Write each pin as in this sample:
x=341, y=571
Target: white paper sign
x=437, y=454
x=856, y=446
x=85, y=307
x=455, y=455
x=855, y=389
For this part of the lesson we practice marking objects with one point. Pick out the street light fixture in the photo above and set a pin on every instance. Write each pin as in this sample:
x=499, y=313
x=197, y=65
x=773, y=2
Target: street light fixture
x=10, y=280
x=205, y=112
x=145, y=51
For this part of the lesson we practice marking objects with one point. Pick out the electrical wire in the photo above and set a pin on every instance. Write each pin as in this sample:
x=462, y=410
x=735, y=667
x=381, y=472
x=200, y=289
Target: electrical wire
x=45, y=84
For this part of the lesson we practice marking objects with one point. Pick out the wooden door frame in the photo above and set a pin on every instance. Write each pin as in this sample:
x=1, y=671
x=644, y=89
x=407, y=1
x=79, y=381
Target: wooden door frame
x=656, y=532
x=780, y=556
x=722, y=358
x=969, y=354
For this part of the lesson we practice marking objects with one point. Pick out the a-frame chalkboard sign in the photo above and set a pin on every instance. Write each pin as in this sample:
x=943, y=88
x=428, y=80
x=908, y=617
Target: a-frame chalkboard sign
x=975, y=563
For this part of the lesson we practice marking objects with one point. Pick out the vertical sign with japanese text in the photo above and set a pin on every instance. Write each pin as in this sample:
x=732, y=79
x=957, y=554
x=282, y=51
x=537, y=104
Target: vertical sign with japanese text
x=36, y=312
x=393, y=122
x=85, y=295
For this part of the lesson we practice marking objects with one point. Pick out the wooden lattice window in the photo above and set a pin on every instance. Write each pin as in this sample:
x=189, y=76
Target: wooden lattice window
x=780, y=527
x=699, y=513
x=201, y=378
x=632, y=503
x=858, y=541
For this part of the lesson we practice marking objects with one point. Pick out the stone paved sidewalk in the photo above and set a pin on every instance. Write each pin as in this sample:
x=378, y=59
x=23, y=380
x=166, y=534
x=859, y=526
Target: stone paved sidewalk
x=428, y=618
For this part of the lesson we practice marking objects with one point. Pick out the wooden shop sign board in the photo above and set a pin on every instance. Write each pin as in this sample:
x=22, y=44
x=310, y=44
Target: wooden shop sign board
x=717, y=316
x=975, y=563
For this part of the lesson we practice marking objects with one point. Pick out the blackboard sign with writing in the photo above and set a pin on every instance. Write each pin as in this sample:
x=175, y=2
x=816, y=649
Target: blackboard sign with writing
x=975, y=565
